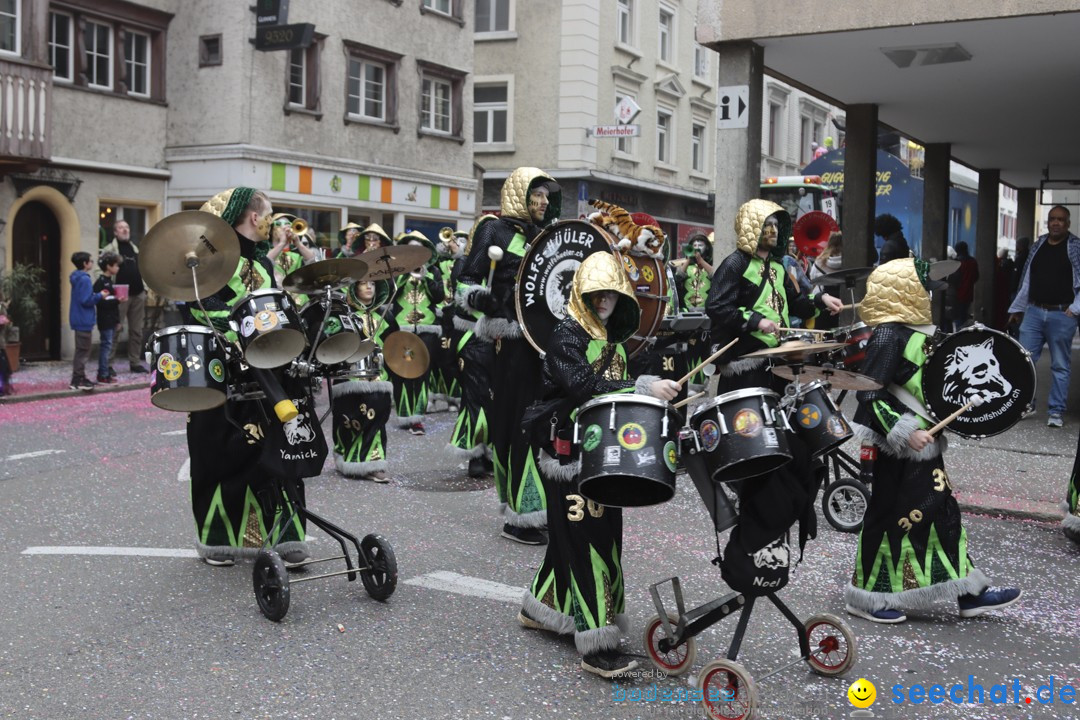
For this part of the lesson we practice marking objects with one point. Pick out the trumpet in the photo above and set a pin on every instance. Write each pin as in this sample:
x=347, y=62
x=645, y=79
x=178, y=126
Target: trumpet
x=299, y=226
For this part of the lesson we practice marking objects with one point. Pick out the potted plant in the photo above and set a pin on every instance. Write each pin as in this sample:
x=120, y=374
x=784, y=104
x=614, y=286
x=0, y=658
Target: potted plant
x=20, y=288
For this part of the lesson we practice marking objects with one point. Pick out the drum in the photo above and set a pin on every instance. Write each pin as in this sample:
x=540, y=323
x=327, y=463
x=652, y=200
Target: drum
x=188, y=369
x=269, y=330
x=649, y=278
x=336, y=341
x=713, y=494
x=741, y=434
x=817, y=420
x=855, y=337
x=978, y=361
x=628, y=450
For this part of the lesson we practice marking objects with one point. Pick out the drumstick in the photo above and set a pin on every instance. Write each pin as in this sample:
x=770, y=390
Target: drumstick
x=808, y=330
x=496, y=254
x=708, y=360
x=851, y=306
x=687, y=401
x=975, y=402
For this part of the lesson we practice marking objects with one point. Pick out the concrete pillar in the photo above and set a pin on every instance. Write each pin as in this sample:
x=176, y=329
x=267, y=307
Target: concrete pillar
x=738, y=150
x=1025, y=214
x=860, y=170
x=935, y=221
x=986, y=239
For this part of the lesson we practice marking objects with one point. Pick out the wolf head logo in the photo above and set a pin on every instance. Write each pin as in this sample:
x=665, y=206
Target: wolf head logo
x=974, y=370
x=774, y=555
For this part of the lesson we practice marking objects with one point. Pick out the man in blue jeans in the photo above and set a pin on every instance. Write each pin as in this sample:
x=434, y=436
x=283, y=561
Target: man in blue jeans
x=1048, y=302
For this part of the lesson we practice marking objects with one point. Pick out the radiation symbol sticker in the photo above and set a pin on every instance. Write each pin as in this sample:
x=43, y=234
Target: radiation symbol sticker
x=632, y=436
x=809, y=415
x=266, y=320
x=194, y=362
x=217, y=370
x=747, y=423
x=671, y=458
x=593, y=434
x=647, y=273
x=173, y=371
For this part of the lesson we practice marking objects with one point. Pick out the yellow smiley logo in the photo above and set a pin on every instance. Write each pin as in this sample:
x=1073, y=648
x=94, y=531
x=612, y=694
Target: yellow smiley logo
x=862, y=693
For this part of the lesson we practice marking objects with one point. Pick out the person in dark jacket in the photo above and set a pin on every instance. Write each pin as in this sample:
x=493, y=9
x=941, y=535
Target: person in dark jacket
x=133, y=309
x=108, y=315
x=81, y=315
x=891, y=230
x=964, y=279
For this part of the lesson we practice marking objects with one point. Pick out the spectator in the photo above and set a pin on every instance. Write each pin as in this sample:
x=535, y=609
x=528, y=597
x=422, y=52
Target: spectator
x=81, y=317
x=964, y=278
x=889, y=228
x=108, y=315
x=1047, y=303
x=133, y=309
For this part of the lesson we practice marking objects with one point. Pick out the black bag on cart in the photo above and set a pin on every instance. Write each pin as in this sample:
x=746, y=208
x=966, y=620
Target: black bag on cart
x=756, y=573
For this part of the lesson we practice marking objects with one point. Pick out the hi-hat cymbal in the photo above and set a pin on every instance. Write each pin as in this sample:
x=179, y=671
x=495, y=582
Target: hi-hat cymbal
x=185, y=240
x=405, y=354
x=943, y=269
x=388, y=262
x=839, y=379
x=317, y=276
x=847, y=276
x=796, y=350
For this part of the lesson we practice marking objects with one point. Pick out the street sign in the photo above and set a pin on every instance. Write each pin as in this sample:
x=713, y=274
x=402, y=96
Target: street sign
x=733, y=107
x=626, y=110
x=271, y=12
x=284, y=37
x=615, y=131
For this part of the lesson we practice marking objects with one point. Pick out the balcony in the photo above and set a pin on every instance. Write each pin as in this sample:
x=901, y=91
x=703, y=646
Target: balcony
x=25, y=98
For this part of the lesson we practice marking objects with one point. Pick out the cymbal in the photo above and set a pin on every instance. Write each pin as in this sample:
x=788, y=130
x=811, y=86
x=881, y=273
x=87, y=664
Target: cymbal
x=844, y=277
x=318, y=275
x=405, y=354
x=796, y=350
x=839, y=379
x=185, y=240
x=385, y=263
x=943, y=269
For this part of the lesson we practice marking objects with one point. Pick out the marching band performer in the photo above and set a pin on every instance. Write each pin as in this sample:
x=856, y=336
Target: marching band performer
x=347, y=241
x=361, y=406
x=282, y=253
x=444, y=382
x=530, y=200
x=579, y=586
x=375, y=237
x=693, y=273
x=913, y=548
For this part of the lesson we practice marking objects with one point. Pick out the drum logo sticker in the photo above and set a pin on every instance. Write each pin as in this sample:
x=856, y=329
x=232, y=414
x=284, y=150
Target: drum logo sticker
x=194, y=362
x=217, y=370
x=769, y=436
x=648, y=274
x=710, y=435
x=632, y=436
x=974, y=370
x=282, y=317
x=671, y=459
x=645, y=457
x=612, y=455
x=266, y=320
x=591, y=441
x=247, y=326
x=173, y=371
x=747, y=423
x=164, y=361
x=333, y=326
x=809, y=415
x=836, y=426
x=631, y=269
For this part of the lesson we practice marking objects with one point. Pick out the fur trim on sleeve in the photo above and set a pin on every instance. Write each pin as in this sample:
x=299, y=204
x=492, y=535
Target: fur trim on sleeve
x=467, y=292
x=896, y=441
x=641, y=385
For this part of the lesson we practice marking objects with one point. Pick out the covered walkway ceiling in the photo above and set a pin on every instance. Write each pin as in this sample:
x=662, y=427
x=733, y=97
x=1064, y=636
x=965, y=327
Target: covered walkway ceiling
x=1015, y=105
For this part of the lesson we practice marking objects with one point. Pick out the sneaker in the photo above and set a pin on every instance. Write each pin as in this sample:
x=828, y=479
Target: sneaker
x=417, y=429
x=528, y=621
x=476, y=468
x=1028, y=413
x=1073, y=535
x=886, y=616
x=139, y=369
x=525, y=536
x=608, y=664
x=293, y=558
x=219, y=562
x=107, y=380
x=489, y=466
x=1054, y=421
x=992, y=598
x=379, y=476
x=82, y=384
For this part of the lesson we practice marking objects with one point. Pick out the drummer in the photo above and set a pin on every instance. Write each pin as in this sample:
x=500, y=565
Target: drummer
x=913, y=549
x=694, y=273
x=752, y=296
x=579, y=586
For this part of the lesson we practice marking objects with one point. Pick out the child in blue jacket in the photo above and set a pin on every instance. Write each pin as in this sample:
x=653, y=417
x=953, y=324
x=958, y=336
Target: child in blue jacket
x=81, y=317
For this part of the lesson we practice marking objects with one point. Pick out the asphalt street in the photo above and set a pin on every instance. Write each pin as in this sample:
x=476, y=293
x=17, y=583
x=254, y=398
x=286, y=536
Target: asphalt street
x=128, y=633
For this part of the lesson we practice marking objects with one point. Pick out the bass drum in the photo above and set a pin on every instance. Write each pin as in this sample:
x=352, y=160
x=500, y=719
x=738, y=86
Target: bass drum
x=978, y=361
x=649, y=278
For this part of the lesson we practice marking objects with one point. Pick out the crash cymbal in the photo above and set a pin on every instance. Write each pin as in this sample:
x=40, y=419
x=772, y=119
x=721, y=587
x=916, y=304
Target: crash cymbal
x=405, y=354
x=388, y=262
x=847, y=276
x=318, y=275
x=796, y=350
x=839, y=379
x=186, y=240
x=943, y=269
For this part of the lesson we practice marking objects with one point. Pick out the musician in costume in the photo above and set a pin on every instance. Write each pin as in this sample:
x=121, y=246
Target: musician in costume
x=579, y=586
x=374, y=237
x=445, y=383
x=287, y=252
x=361, y=406
x=530, y=201
x=1070, y=523
x=752, y=296
x=237, y=449
x=418, y=294
x=913, y=548
x=693, y=276
x=349, y=242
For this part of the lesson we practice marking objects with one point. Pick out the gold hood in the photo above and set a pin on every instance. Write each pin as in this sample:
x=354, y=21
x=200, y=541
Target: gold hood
x=604, y=271
x=515, y=194
x=895, y=293
x=751, y=218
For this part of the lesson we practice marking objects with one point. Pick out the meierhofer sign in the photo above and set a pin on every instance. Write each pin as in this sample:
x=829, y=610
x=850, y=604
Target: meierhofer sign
x=615, y=131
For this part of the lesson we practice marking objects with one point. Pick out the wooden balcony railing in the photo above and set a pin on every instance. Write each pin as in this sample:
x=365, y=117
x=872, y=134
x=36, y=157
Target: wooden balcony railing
x=25, y=107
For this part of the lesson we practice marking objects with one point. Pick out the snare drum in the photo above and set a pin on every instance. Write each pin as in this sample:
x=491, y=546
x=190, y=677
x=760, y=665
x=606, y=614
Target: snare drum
x=336, y=341
x=741, y=434
x=188, y=369
x=855, y=337
x=268, y=328
x=628, y=450
x=817, y=420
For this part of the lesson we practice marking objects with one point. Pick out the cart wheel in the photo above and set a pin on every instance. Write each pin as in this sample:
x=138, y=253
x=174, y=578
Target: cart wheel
x=727, y=691
x=675, y=661
x=832, y=645
x=271, y=581
x=844, y=504
x=381, y=577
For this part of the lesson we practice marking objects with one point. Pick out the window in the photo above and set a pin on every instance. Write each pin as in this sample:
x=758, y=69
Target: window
x=442, y=6
x=490, y=113
x=137, y=63
x=624, y=21
x=367, y=89
x=98, y=39
x=701, y=62
x=624, y=145
x=10, y=35
x=667, y=34
x=774, y=129
x=209, y=50
x=697, y=147
x=302, y=77
x=492, y=15
x=449, y=9
x=60, y=50
x=663, y=137
x=440, y=100
x=297, y=74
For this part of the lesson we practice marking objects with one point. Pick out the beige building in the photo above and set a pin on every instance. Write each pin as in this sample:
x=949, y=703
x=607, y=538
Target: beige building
x=548, y=74
x=136, y=110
